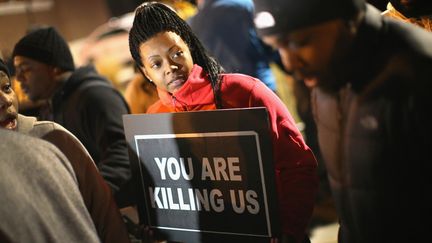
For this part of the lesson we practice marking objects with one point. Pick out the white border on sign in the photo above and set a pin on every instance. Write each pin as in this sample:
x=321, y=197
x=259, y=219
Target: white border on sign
x=211, y=134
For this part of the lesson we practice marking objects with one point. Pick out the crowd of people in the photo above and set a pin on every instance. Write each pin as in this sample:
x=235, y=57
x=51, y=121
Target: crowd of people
x=362, y=85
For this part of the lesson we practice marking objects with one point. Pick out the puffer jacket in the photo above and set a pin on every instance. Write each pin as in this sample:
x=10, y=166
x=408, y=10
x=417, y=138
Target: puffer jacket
x=374, y=134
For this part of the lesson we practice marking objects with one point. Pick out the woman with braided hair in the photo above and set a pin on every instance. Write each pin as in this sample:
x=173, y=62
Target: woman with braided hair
x=168, y=53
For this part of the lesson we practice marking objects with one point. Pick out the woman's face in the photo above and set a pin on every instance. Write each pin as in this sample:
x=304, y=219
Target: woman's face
x=8, y=103
x=167, y=61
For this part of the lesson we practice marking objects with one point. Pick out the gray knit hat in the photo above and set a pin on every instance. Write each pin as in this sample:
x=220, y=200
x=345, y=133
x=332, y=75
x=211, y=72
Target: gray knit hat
x=46, y=45
x=284, y=16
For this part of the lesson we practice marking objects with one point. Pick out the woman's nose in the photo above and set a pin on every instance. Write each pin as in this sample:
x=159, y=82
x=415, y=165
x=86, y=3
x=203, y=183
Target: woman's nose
x=172, y=68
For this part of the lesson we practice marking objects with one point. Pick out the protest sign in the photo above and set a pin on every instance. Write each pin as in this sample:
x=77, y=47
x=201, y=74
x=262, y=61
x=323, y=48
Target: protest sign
x=205, y=175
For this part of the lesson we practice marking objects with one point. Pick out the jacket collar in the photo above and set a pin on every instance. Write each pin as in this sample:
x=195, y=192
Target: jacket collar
x=360, y=66
x=195, y=92
x=25, y=123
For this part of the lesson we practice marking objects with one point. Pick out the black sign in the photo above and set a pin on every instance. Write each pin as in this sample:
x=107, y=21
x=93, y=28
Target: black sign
x=205, y=176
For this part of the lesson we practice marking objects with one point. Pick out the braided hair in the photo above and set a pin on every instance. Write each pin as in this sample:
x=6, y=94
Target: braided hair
x=152, y=18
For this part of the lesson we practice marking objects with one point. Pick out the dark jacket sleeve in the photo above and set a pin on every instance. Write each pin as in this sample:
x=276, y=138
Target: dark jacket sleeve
x=103, y=108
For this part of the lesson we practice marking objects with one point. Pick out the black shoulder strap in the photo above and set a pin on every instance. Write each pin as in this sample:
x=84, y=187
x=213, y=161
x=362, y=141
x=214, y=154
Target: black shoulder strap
x=59, y=116
x=94, y=83
x=74, y=99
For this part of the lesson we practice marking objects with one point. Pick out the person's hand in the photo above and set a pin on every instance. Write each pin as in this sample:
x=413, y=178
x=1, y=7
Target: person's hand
x=146, y=234
x=284, y=239
x=274, y=240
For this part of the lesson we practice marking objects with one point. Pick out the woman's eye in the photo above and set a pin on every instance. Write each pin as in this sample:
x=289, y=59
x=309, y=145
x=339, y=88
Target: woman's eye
x=7, y=88
x=178, y=54
x=154, y=65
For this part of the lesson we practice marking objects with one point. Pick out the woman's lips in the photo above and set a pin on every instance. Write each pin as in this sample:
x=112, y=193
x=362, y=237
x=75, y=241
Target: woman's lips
x=176, y=82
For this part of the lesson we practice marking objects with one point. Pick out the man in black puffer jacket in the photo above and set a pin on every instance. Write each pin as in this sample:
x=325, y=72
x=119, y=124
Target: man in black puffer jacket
x=80, y=100
x=372, y=78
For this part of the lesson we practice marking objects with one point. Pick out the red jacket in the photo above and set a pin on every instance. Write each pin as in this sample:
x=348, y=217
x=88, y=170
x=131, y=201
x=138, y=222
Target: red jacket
x=295, y=163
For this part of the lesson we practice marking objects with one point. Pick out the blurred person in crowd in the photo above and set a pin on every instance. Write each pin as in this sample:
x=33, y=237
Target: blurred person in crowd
x=371, y=78
x=184, y=9
x=140, y=94
x=188, y=79
x=226, y=29
x=40, y=200
x=80, y=100
x=418, y=12
x=95, y=192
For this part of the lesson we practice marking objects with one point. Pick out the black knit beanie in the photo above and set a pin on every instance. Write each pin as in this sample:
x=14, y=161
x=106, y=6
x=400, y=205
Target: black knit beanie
x=46, y=45
x=284, y=16
x=4, y=68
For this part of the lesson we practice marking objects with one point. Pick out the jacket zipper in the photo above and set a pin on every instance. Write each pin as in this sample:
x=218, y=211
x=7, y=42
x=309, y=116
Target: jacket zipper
x=183, y=105
x=344, y=104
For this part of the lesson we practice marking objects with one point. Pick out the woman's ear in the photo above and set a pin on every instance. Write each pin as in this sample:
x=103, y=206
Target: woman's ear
x=144, y=72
